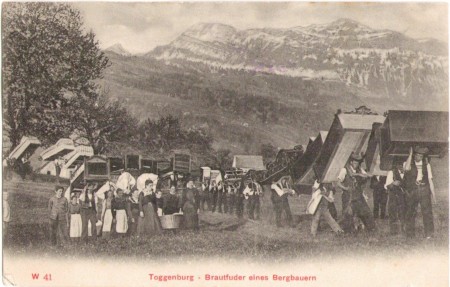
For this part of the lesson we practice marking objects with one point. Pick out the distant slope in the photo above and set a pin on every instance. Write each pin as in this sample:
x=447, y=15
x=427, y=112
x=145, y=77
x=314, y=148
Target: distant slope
x=278, y=85
x=241, y=109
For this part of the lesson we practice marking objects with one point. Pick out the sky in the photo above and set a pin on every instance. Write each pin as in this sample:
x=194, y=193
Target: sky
x=142, y=26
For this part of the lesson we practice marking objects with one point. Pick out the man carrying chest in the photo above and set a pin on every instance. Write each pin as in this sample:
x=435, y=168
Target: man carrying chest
x=420, y=191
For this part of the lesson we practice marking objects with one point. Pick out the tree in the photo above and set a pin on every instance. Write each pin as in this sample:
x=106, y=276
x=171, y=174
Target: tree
x=166, y=134
x=268, y=152
x=46, y=54
x=161, y=135
x=101, y=121
x=221, y=159
x=198, y=140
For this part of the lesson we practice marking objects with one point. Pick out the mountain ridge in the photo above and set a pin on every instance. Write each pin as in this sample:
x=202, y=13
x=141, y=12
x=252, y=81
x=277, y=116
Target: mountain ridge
x=279, y=86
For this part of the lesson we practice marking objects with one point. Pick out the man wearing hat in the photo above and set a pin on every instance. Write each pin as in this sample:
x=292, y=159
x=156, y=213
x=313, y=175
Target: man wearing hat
x=420, y=190
x=395, y=185
x=351, y=179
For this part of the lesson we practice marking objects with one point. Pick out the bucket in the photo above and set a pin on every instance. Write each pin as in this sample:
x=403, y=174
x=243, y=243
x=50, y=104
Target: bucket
x=172, y=221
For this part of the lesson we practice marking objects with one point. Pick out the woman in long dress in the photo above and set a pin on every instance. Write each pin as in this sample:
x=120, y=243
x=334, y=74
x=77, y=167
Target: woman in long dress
x=148, y=221
x=133, y=211
x=119, y=212
x=190, y=206
x=107, y=217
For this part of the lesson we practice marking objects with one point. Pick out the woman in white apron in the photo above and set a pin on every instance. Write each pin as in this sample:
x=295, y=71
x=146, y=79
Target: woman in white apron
x=107, y=216
x=119, y=211
x=75, y=218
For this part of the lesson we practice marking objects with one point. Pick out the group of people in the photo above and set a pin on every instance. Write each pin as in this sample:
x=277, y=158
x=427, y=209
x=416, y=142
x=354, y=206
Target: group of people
x=135, y=213
x=229, y=197
x=407, y=185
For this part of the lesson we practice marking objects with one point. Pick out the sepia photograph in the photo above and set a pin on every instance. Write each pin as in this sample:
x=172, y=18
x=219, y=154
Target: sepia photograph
x=215, y=144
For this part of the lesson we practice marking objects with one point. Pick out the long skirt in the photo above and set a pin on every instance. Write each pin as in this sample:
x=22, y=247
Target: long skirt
x=75, y=225
x=107, y=221
x=132, y=230
x=149, y=224
x=121, y=221
x=190, y=216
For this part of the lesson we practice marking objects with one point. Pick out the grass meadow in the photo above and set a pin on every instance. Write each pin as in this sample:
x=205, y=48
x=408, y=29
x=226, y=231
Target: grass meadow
x=28, y=234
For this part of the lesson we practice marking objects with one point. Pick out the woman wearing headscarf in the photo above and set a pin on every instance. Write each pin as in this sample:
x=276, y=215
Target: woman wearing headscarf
x=148, y=222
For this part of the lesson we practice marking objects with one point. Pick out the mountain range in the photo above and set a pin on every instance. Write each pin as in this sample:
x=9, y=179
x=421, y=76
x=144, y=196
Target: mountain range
x=281, y=86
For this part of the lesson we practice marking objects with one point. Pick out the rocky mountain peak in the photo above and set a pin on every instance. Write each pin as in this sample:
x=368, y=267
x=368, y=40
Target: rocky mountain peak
x=118, y=49
x=211, y=32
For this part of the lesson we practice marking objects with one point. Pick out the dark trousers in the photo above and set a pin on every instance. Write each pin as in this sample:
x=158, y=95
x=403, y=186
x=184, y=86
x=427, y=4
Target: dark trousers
x=396, y=211
x=58, y=225
x=347, y=216
x=58, y=172
x=332, y=209
x=240, y=205
x=345, y=201
x=380, y=197
x=204, y=199
x=279, y=206
x=88, y=214
x=214, y=196
x=361, y=209
x=421, y=195
x=229, y=203
x=24, y=169
x=254, y=205
x=220, y=201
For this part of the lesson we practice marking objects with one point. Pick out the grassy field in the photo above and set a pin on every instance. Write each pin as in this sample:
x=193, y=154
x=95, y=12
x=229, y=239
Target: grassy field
x=256, y=240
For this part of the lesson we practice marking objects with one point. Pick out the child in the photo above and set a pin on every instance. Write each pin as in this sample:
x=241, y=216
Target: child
x=324, y=195
x=107, y=216
x=58, y=209
x=75, y=218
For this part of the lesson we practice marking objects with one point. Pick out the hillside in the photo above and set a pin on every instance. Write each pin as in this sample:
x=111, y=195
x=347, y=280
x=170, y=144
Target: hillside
x=209, y=78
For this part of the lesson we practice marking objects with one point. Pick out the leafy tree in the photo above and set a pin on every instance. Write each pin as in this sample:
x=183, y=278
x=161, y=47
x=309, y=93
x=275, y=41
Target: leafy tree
x=101, y=121
x=166, y=134
x=161, y=135
x=198, y=140
x=221, y=159
x=268, y=152
x=46, y=54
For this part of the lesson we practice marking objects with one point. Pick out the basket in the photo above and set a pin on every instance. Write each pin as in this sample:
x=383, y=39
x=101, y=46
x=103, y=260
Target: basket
x=172, y=221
